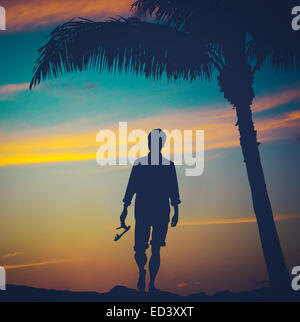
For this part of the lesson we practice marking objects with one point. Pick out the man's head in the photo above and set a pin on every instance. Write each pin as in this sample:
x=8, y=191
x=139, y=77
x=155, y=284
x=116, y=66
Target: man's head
x=156, y=140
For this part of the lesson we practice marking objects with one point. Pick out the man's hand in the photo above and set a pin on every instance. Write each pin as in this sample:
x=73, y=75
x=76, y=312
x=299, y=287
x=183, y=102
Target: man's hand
x=123, y=217
x=174, y=220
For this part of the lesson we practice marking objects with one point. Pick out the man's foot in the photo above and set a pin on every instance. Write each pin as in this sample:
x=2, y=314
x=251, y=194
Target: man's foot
x=141, y=282
x=153, y=289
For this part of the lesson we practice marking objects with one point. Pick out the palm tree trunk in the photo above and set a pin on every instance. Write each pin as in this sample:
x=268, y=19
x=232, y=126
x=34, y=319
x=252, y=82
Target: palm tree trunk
x=278, y=274
x=236, y=80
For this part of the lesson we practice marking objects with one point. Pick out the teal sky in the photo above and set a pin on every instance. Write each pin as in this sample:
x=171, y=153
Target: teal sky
x=128, y=95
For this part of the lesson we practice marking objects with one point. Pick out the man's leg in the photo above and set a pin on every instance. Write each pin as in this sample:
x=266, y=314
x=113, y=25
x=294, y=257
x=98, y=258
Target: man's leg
x=159, y=233
x=154, y=264
x=141, y=260
x=142, y=234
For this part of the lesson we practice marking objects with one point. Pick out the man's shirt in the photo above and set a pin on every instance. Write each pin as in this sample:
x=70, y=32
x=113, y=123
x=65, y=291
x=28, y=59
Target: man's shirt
x=155, y=186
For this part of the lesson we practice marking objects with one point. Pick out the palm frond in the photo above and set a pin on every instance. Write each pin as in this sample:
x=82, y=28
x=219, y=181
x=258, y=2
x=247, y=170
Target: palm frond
x=174, y=11
x=274, y=40
x=268, y=23
x=122, y=45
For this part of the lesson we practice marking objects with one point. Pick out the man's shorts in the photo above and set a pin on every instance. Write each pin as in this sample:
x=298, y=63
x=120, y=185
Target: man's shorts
x=142, y=234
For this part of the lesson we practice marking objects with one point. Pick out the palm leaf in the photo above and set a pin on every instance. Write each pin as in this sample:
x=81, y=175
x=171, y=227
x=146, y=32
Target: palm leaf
x=273, y=39
x=122, y=45
x=267, y=22
x=175, y=11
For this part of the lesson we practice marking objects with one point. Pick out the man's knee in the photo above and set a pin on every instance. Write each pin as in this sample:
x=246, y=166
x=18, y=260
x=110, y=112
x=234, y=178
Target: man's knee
x=155, y=250
x=140, y=251
x=140, y=254
x=141, y=247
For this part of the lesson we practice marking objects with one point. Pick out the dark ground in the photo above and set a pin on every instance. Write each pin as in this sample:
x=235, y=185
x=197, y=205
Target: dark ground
x=16, y=293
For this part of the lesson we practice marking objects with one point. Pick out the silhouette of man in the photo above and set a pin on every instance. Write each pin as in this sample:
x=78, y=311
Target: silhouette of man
x=153, y=179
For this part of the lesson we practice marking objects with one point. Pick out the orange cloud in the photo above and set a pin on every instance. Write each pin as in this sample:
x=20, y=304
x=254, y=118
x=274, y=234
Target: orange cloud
x=63, y=144
x=183, y=284
x=12, y=254
x=236, y=220
x=283, y=97
x=37, y=13
x=58, y=261
x=13, y=88
x=263, y=103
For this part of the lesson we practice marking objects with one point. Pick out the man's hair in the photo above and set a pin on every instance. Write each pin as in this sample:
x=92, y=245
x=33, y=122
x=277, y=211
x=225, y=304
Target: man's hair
x=159, y=135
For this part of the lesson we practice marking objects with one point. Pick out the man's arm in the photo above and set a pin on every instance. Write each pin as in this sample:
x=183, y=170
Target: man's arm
x=175, y=198
x=130, y=191
x=123, y=216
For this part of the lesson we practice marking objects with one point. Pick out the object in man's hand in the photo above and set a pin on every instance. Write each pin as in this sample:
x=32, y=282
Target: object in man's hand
x=118, y=236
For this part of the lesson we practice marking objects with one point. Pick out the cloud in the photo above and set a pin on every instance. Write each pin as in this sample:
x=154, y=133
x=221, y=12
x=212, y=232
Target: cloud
x=76, y=140
x=274, y=100
x=13, y=88
x=183, y=284
x=227, y=221
x=297, y=138
x=90, y=85
x=57, y=261
x=12, y=254
x=34, y=14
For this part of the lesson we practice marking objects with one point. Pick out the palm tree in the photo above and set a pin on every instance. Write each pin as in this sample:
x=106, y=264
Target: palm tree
x=187, y=40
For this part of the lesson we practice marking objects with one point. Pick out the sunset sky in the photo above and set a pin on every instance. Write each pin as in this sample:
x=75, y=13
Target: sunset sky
x=59, y=208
